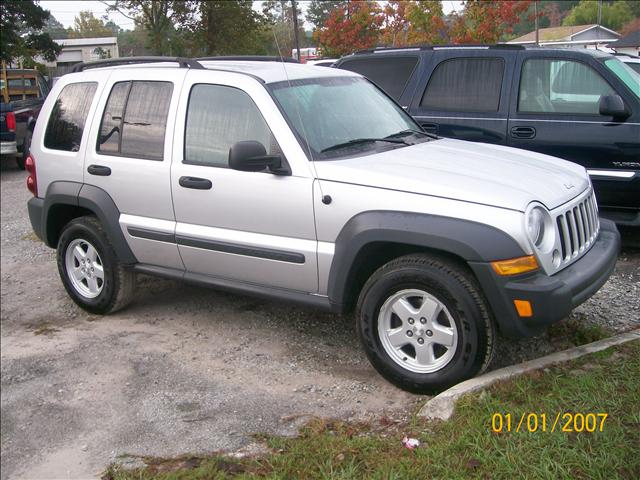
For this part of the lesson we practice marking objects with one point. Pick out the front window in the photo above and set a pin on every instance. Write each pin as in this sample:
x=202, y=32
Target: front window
x=344, y=116
x=624, y=72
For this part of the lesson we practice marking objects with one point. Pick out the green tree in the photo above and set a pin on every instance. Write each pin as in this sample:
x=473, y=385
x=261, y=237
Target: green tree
x=86, y=25
x=22, y=23
x=426, y=22
x=278, y=17
x=55, y=29
x=225, y=27
x=318, y=11
x=614, y=14
x=158, y=17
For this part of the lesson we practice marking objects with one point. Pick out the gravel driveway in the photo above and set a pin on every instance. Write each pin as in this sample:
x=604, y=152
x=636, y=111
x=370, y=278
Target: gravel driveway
x=186, y=369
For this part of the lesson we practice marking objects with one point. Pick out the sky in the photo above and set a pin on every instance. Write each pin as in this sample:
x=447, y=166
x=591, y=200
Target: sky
x=66, y=11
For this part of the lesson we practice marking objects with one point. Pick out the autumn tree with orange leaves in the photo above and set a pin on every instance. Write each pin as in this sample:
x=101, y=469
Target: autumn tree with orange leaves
x=351, y=27
x=485, y=22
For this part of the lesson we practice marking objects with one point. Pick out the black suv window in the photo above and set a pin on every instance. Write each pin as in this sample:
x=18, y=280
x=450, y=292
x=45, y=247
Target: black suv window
x=550, y=85
x=135, y=120
x=68, y=117
x=390, y=73
x=465, y=85
x=217, y=117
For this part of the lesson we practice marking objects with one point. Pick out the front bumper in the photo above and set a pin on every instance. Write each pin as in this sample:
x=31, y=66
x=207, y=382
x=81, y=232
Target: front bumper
x=552, y=297
x=8, y=148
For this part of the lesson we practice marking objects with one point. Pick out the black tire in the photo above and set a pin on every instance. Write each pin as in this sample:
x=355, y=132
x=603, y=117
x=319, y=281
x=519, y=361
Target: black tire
x=454, y=288
x=21, y=158
x=118, y=284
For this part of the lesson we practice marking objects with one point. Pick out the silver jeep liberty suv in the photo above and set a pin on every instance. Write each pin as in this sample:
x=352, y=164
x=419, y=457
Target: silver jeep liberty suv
x=309, y=184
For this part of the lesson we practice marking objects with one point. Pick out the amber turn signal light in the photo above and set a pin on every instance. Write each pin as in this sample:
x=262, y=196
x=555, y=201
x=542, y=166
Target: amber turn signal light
x=524, y=308
x=515, y=266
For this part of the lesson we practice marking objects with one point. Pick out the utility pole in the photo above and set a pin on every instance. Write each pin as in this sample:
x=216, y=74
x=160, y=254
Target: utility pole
x=294, y=7
x=599, y=12
x=535, y=12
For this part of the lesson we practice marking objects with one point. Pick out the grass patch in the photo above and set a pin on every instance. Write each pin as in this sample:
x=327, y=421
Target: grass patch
x=43, y=329
x=30, y=236
x=577, y=331
x=464, y=447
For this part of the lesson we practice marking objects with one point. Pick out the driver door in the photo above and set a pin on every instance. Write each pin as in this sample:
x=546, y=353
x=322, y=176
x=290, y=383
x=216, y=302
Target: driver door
x=251, y=227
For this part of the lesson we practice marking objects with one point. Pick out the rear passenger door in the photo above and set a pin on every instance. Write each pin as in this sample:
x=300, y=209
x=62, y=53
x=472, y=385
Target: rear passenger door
x=129, y=157
x=464, y=95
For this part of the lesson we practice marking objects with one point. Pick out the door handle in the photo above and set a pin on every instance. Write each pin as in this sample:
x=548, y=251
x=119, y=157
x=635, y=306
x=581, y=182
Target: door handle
x=195, y=182
x=430, y=127
x=99, y=170
x=523, y=132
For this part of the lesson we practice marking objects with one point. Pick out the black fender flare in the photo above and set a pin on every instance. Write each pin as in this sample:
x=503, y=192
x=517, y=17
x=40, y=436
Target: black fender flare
x=471, y=241
x=97, y=201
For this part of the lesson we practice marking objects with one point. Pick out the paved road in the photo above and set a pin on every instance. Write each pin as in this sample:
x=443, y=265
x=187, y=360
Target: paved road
x=183, y=369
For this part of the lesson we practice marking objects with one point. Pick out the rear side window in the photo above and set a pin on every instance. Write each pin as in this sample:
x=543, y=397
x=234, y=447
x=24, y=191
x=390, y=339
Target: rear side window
x=390, y=73
x=217, y=117
x=68, y=117
x=465, y=85
x=135, y=120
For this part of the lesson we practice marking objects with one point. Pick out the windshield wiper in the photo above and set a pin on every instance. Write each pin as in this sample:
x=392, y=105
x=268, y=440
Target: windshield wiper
x=357, y=141
x=409, y=131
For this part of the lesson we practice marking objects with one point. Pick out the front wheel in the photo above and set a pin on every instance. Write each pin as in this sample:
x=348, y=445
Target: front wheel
x=423, y=323
x=89, y=268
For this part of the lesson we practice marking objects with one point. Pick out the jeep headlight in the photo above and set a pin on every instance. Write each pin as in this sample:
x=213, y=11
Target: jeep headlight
x=539, y=229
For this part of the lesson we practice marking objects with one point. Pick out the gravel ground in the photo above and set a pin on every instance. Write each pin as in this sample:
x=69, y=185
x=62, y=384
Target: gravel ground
x=186, y=369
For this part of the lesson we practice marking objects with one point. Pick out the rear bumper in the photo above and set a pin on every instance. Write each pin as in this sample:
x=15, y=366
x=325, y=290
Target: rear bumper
x=552, y=297
x=8, y=148
x=35, y=206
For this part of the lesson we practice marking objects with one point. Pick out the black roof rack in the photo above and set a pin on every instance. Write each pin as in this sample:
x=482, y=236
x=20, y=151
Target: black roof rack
x=507, y=46
x=113, y=62
x=252, y=58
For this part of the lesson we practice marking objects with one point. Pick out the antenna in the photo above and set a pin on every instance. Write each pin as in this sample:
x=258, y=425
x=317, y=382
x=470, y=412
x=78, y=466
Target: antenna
x=314, y=171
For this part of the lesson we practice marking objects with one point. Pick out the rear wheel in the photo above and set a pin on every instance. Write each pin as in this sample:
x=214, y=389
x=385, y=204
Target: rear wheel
x=89, y=268
x=424, y=324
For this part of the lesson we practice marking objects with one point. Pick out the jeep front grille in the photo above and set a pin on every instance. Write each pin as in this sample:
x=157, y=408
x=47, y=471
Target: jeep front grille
x=577, y=227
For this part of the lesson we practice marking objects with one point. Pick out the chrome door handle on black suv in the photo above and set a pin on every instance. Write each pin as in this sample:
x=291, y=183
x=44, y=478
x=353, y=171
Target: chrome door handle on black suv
x=523, y=132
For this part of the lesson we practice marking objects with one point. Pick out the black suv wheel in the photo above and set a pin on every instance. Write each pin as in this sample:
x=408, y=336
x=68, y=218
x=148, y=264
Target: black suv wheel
x=90, y=270
x=423, y=323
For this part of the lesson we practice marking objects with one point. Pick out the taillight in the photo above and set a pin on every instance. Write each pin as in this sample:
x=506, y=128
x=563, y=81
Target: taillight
x=11, y=121
x=32, y=181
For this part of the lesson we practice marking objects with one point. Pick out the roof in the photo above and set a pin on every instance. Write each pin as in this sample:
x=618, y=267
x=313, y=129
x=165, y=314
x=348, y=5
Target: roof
x=631, y=40
x=80, y=42
x=271, y=72
x=558, y=34
x=266, y=71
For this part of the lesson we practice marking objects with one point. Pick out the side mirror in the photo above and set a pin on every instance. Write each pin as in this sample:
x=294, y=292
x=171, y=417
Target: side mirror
x=251, y=156
x=612, y=106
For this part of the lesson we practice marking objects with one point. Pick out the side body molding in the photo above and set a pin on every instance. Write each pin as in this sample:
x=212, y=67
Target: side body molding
x=471, y=241
x=94, y=199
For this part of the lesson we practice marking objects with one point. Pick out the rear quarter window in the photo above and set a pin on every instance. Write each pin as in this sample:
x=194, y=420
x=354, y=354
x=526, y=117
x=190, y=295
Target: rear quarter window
x=68, y=117
x=391, y=74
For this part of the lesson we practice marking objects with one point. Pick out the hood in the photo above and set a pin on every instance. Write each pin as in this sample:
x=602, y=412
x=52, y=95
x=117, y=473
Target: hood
x=474, y=172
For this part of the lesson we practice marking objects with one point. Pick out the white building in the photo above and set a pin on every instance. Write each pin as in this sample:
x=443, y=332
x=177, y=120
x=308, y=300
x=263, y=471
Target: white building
x=75, y=50
x=576, y=36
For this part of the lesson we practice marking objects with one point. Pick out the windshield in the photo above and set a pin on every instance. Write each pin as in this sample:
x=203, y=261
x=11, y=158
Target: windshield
x=344, y=116
x=625, y=73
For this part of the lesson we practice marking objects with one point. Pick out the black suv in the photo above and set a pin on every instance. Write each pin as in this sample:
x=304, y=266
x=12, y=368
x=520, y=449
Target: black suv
x=580, y=105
